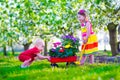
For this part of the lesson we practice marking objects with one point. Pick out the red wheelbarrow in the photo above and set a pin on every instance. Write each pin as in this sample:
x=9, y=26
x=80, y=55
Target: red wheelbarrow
x=70, y=59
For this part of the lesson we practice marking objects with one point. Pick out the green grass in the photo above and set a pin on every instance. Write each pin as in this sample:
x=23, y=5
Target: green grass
x=9, y=53
x=41, y=70
x=101, y=53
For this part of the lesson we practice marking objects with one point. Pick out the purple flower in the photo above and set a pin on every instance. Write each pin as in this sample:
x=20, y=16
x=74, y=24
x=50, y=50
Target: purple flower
x=53, y=50
x=74, y=40
x=70, y=37
x=67, y=37
x=63, y=37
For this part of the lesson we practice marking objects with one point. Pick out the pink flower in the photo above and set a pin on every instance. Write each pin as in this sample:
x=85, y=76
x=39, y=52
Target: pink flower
x=82, y=11
x=82, y=24
x=56, y=44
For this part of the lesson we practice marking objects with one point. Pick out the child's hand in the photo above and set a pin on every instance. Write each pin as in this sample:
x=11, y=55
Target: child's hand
x=85, y=40
x=48, y=57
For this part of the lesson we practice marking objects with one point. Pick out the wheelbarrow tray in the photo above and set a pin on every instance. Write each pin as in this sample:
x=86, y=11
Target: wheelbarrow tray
x=65, y=59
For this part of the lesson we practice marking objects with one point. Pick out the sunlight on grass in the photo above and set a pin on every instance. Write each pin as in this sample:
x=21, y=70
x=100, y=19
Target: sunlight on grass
x=41, y=70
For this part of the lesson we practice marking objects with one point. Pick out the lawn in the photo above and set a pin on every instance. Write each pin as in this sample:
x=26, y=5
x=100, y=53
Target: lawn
x=41, y=70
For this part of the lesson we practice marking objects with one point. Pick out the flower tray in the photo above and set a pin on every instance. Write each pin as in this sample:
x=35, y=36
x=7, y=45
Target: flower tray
x=65, y=59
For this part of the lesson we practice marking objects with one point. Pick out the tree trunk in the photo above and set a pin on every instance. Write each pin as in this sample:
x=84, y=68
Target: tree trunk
x=13, y=52
x=26, y=46
x=113, y=38
x=45, y=48
x=4, y=51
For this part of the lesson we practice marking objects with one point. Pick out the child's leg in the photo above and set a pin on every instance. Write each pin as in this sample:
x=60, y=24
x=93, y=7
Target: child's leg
x=83, y=60
x=26, y=63
x=91, y=58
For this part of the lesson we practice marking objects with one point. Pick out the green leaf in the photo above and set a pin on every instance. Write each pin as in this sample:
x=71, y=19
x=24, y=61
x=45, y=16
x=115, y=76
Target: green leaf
x=18, y=6
x=2, y=0
x=4, y=11
x=80, y=1
x=97, y=1
x=27, y=3
x=11, y=15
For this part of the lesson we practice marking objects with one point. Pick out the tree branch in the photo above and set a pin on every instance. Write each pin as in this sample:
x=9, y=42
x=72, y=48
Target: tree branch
x=100, y=9
x=116, y=10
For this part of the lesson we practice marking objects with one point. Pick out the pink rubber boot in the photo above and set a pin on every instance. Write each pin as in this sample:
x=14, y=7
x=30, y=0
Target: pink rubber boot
x=91, y=58
x=83, y=60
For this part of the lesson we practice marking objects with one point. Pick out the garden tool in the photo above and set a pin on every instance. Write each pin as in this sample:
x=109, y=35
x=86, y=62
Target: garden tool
x=81, y=54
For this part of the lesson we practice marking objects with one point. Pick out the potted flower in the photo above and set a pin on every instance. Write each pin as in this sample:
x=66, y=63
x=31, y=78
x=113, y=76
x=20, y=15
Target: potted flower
x=66, y=50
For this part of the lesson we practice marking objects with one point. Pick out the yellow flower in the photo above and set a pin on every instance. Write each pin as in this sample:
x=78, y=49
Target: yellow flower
x=84, y=29
x=68, y=46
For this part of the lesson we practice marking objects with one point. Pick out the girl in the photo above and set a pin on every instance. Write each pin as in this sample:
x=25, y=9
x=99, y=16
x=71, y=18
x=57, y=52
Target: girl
x=90, y=43
x=28, y=56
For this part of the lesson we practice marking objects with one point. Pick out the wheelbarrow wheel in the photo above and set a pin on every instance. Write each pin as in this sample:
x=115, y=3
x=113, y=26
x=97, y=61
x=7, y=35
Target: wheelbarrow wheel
x=70, y=63
x=54, y=65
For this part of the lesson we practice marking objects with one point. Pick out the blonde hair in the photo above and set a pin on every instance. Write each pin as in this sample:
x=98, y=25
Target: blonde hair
x=38, y=41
